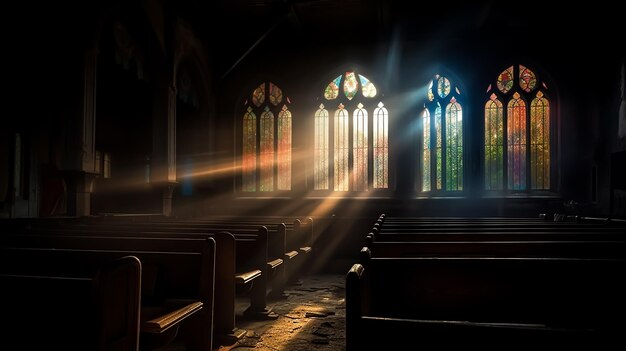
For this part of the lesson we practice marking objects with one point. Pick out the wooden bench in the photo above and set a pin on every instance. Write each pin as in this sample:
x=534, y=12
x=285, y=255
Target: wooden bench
x=497, y=235
x=299, y=237
x=299, y=232
x=227, y=273
x=565, y=249
x=250, y=251
x=175, y=285
x=94, y=308
x=477, y=301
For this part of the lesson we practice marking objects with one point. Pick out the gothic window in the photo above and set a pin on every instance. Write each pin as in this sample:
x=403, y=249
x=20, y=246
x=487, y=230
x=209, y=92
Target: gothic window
x=266, y=149
x=442, y=137
x=351, y=153
x=519, y=160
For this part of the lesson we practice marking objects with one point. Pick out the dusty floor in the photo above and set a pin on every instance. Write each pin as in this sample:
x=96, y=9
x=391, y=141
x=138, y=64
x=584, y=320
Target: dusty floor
x=311, y=318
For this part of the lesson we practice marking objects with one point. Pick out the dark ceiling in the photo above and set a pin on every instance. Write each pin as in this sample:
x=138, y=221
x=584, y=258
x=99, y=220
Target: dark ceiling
x=240, y=26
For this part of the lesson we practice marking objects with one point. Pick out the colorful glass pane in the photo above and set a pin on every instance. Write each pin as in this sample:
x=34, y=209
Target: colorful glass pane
x=540, y=143
x=359, y=148
x=276, y=94
x=454, y=146
x=527, y=79
x=426, y=151
x=505, y=80
x=267, y=151
x=367, y=88
x=258, y=95
x=320, y=172
x=284, y=149
x=443, y=87
x=342, y=149
x=332, y=89
x=438, y=147
x=350, y=85
x=381, y=147
x=431, y=95
x=249, y=151
x=516, y=143
x=494, y=144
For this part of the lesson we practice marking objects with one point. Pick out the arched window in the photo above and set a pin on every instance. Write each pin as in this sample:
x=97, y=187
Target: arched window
x=351, y=153
x=526, y=120
x=442, y=137
x=266, y=149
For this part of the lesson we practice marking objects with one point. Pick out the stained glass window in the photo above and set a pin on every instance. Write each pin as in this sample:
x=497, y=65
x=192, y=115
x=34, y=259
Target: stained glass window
x=540, y=142
x=526, y=162
x=516, y=143
x=493, y=144
x=381, y=147
x=249, y=151
x=342, y=149
x=359, y=148
x=342, y=145
x=332, y=89
x=276, y=95
x=426, y=151
x=443, y=87
x=267, y=151
x=430, y=94
x=320, y=172
x=505, y=80
x=367, y=88
x=442, y=154
x=284, y=149
x=266, y=141
x=527, y=79
x=454, y=146
x=438, y=147
x=258, y=96
x=350, y=85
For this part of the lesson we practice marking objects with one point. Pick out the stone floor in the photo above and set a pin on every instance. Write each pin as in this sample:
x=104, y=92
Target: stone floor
x=311, y=318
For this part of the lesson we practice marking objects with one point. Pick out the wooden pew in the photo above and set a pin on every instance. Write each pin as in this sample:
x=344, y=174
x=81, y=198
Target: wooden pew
x=520, y=235
x=299, y=234
x=565, y=249
x=298, y=245
x=228, y=274
x=94, y=308
x=249, y=258
x=477, y=301
x=175, y=285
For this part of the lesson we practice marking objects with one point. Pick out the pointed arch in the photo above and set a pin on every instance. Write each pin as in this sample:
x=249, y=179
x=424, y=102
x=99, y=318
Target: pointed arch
x=284, y=149
x=516, y=143
x=249, y=151
x=381, y=147
x=540, y=142
x=493, y=143
x=342, y=149
x=359, y=148
x=321, y=156
x=454, y=146
x=266, y=150
x=426, y=174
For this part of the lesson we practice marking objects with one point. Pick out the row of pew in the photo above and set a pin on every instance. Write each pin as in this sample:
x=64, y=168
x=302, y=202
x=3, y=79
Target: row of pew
x=130, y=283
x=491, y=283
